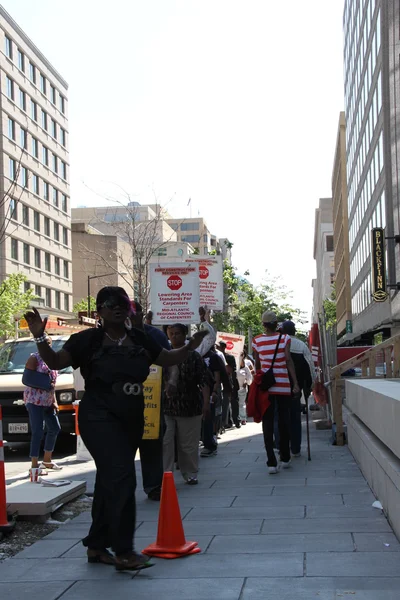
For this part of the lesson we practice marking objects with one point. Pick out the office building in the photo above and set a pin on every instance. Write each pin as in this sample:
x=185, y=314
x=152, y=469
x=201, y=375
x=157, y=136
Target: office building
x=195, y=232
x=341, y=235
x=323, y=256
x=34, y=170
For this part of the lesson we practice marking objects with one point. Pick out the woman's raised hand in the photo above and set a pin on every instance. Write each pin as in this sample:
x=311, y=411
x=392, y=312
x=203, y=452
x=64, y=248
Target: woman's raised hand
x=36, y=324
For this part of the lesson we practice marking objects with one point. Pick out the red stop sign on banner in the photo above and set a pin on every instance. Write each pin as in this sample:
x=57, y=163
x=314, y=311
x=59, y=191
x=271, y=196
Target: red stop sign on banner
x=174, y=282
x=230, y=345
x=203, y=271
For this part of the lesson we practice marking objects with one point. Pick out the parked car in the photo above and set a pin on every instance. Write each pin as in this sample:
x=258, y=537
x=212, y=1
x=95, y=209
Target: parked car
x=13, y=357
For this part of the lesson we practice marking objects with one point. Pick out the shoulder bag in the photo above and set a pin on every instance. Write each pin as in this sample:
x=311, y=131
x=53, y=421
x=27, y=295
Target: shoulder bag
x=268, y=378
x=37, y=380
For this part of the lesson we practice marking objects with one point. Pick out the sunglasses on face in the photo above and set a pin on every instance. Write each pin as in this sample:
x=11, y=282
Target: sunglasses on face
x=112, y=303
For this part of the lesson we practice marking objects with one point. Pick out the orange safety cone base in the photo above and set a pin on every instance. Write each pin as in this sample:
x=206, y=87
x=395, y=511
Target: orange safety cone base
x=7, y=527
x=157, y=553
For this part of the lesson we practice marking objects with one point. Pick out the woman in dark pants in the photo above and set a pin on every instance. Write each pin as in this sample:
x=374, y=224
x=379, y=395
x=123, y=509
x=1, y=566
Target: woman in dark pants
x=114, y=360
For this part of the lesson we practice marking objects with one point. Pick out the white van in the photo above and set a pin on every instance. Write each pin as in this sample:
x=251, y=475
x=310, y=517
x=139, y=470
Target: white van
x=13, y=357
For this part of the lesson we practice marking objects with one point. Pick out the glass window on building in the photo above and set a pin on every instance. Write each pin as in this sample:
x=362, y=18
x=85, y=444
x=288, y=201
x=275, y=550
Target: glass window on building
x=34, y=111
x=35, y=147
x=32, y=72
x=54, y=129
x=64, y=203
x=27, y=286
x=9, y=87
x=63, y=137
x=55, y=163
x=329, y=243
x=190, y=226
x=66, y=269
x=43, y=84
x=47, y=226
x=56, y=265
x=47, y=262
x=24, y=138
x=22, y=100
x=12, y=169
x=45, y=190
x=62, y=104
x=11, y=129
x=21, y=60
x=38, y=291
x=58, y=299
x=44, y=120
x=24, y=177
x=25, y=215
x=53, y=94
x=63, y=169
x=191, y=238
x=57, y=232
x=66, y=302
x=36, y=220
x=14, y=249
x=48, y=297
x=35, y=184
x=27, y=254
x=9, y=47
x=45, y=156
x=55, y=197
x=65, y=236
x=38, y=258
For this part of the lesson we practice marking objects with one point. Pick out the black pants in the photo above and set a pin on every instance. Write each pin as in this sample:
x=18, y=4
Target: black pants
x=113, y=443
x=226, y=413
x=151, y=459
x=281, y=404
x=235, y=407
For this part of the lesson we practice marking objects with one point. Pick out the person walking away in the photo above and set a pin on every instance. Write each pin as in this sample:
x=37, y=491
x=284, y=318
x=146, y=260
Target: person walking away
x=230, y=403
x=183, y=410
x=42, y=408
x=211, y=419
x=305, y=374
x=151, y=451
x=264, y=347
x=115, y=361
x=245, y=379
x=205, y=325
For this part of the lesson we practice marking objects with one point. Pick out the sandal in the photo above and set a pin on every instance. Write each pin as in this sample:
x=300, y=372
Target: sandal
x=51, y=466
x=100, y=556
x=132, y=562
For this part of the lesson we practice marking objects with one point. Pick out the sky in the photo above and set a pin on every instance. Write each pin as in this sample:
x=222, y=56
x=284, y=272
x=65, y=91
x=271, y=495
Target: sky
x=232, y=103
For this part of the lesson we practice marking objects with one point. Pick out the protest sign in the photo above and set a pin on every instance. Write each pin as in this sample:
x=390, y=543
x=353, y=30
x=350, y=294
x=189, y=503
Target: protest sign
x=210, y=280
x=234, y=344
x=152, y=404
x=174, y=293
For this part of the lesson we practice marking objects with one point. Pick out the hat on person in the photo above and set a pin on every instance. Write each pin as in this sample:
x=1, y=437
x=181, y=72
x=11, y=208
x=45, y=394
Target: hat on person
x=269, y=317
x=222, y=345
x=289, y=328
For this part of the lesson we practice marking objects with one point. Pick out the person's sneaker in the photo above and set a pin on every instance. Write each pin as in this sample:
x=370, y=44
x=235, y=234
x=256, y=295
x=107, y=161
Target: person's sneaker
x=272, y=470
x=297, y=455
x=286, y=465
x=206, y=452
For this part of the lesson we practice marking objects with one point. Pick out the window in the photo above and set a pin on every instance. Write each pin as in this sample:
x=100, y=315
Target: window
x=9, y=48
x=190, y=238
x=12, y=168
x=66, y=269
x=36, y=220
x=56, y=265
x=11, y=129
x=45, y=190
x=55, y=163
x=329, y=243
x=57, y=232
x=13, y=209
x=10, y=87
x=35, y=184
x=25, y=215
x=32, y=72
x=35, y=147
x=205, y=239
x=43, y=83
x=22, y=100
x=48, y=297
x=44, y=119
x=24, y=177
x=54, y=129
x=53, y=96
x=64, y=203
x=21, y=60
x=24, y=138
x=38, y=291
x=47, y=226
x=34, y=110
x=55, y=197
x=47, y=262
x=27, y=254
x=14, y=249
x=190, y=226
x=62, y=104
x=63, y=170
x=65, y=236
x=45, y=155
x=63, y=135
x=37, y=258
x=66, y=302
x=58, y=300
x=27, y=286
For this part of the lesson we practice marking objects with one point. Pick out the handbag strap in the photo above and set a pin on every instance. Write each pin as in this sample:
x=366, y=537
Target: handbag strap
x=276, y=350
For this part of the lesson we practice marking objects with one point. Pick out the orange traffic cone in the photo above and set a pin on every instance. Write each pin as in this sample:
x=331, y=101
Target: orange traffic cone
x=171, y=541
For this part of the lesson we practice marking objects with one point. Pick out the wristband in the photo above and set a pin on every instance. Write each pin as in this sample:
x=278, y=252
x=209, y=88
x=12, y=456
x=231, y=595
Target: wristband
x=41, y=339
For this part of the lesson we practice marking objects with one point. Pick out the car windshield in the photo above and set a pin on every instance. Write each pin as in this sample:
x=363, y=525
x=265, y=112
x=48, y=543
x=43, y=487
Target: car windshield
x=13, y=356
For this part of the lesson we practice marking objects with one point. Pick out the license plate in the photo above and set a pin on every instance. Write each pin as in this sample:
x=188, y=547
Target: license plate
x=18, y=428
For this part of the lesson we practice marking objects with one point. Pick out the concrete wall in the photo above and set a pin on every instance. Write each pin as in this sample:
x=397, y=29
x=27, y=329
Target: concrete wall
x=373, y=423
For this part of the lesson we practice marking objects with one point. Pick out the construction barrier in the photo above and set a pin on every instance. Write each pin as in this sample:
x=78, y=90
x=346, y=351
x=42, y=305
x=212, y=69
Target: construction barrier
x=5, y=525
x=82, y=453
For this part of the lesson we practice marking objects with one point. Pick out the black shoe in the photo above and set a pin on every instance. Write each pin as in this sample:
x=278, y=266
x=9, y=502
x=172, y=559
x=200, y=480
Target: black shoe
x=155, y=494
x=238, y=425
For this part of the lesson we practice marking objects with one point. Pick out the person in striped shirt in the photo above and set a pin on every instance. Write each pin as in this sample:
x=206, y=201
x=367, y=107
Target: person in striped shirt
x=280, y=394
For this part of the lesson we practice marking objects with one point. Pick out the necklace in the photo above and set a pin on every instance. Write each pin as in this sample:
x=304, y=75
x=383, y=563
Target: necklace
x=118, y=341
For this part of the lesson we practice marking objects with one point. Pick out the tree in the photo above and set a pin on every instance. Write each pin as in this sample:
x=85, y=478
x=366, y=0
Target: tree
x=330, y=310
x=13, y=303
x=82, y=305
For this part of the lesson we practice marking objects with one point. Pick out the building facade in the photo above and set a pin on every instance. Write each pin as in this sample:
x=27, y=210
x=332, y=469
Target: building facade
x=323, y=256
x=34, y=170
x=370, y=100
x=341, y=235
x=194, y=231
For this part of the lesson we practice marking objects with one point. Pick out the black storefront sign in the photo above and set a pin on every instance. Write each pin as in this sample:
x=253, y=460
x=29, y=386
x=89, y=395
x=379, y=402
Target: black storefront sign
x=379, y=285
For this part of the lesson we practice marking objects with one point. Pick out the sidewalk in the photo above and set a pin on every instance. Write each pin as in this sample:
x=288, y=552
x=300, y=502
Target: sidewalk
x=307, y=533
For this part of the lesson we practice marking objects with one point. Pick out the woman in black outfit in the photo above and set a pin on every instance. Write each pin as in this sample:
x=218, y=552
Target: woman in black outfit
x=114, y=361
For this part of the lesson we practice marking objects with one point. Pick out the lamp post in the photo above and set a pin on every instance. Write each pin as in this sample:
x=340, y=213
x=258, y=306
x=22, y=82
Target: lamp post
x=90, y=277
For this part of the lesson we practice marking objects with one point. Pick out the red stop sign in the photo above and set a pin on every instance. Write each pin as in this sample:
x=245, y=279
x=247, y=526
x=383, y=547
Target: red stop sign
x=230, y=345
x=204, y=272
x=174, y=282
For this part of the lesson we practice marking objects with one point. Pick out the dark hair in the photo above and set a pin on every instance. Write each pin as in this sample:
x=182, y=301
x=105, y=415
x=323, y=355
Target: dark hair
x=183, y=328
x=272, y=326
x=109, y=291
x=289, y=328
x=165, y=328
